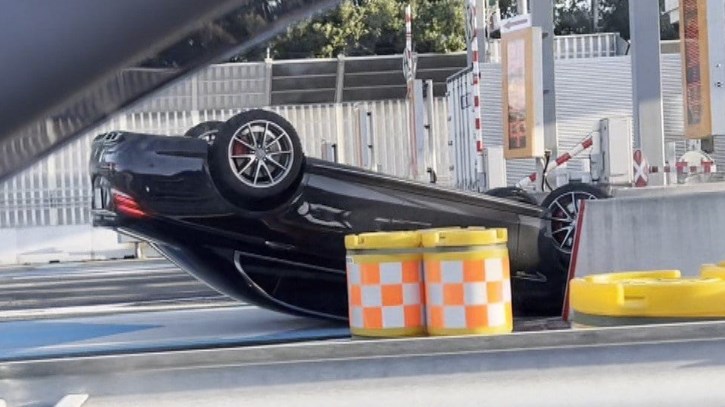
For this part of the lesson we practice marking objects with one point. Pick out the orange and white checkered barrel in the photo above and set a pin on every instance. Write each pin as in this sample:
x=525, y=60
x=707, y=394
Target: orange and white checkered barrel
x=467, y=282
x=385, y=284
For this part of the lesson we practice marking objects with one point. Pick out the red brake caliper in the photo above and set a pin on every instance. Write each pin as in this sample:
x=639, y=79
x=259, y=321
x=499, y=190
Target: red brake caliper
x=239, y=149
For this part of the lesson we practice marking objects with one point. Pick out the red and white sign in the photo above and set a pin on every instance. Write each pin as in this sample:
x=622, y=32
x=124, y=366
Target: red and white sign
x=641, y=169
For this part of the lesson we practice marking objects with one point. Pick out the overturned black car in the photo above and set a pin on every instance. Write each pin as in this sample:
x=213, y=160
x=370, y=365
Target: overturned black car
x=239, y=206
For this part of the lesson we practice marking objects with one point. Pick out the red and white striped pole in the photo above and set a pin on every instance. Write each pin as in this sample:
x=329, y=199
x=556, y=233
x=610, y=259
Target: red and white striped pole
x=476, y=88
x=583, y=145
x=410, y=78
x=408, y=30
x=408, y=57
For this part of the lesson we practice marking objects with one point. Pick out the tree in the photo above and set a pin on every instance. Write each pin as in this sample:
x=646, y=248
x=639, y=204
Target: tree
x=375, y=27
x=575, y=17
x=572, y=17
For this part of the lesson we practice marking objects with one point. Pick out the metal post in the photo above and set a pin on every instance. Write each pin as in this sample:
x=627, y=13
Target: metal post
x=340, y=135
x=481, y=31
x=430, y=125
x=476, y=93
x=522, y=6
x=644, y=22
x=542, y=15
x=268, y=80
x=340, y=82
x=194, y=82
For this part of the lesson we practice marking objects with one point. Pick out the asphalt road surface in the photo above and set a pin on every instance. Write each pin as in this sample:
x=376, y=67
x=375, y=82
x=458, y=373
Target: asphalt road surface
x=633, y=366
x=223, y=352
x=155, y=331
x=99, y=287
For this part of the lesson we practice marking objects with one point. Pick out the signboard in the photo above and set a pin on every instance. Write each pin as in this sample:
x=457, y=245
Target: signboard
x=522, y=93
x=703, y=75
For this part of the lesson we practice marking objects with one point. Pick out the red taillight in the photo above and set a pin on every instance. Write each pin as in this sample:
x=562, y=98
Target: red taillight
x=126, y=205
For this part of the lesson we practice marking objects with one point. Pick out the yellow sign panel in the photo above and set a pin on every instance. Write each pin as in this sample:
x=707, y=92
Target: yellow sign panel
x=695, y=68
x=522, y=94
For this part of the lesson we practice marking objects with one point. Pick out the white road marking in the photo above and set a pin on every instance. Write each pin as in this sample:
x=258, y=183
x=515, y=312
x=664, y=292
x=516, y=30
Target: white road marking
x=88, y=310
x=72, y=400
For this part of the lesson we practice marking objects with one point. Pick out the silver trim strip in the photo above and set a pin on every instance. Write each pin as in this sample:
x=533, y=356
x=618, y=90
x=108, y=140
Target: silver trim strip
x=251, y=282
x=291, y=263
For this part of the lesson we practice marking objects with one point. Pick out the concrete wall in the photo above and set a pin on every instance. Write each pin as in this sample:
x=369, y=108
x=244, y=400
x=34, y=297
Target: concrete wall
x=61, y=243
x=676, y=228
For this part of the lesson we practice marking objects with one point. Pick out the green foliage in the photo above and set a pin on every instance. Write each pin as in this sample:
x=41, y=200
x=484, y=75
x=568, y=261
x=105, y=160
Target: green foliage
x=375, y=27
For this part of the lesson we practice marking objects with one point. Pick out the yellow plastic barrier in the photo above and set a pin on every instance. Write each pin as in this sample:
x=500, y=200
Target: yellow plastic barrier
x=648, y=297
x=467, y=281
x=385, y=284
x=713, y=270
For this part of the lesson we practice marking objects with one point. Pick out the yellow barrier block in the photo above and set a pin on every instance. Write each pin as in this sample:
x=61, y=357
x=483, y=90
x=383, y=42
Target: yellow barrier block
x=658, y=294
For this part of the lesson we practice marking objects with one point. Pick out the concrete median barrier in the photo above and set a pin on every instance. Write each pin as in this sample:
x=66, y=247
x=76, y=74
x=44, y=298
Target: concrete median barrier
x=672, y=228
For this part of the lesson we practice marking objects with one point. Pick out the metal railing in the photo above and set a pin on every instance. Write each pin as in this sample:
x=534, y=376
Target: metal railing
x=574, y=46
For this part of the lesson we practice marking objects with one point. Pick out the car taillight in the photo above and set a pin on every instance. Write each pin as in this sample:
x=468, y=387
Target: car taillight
x=126, y=205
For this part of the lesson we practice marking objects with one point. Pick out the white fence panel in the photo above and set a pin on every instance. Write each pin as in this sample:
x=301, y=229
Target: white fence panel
x=441, y=150
x=461, y=125
x=391, y=137
x=57, y=190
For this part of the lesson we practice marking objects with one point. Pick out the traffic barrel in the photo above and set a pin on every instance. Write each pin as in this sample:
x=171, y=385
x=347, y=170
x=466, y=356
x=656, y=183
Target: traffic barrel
x=647, y=297
x=467, y=281
x=385, y=284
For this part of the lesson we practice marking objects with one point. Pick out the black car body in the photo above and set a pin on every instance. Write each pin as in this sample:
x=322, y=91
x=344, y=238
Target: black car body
x=289, y=255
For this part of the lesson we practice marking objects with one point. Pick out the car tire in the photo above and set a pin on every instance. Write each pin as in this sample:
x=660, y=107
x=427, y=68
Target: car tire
x=561, y=211
x=256, y=159
x=514, y=194
x=205, y=130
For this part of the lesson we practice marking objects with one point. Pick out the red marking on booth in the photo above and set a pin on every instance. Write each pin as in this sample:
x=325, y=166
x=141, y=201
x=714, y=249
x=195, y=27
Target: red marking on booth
x=641, y=169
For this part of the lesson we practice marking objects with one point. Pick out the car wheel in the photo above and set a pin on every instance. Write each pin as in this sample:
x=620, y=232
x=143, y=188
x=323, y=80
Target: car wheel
x=206, y=131
x=256, y=159
x=514, y=194
x=562, y=208
x=556, y=238
x=561, y=212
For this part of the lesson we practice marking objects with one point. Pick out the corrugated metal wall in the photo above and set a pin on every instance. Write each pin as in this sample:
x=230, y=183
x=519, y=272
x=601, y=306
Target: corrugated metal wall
x=588, y=90
x=225, y=86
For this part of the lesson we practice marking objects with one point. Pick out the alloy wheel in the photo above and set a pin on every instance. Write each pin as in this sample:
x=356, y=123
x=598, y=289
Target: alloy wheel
x=564, y=211
x=261, y=153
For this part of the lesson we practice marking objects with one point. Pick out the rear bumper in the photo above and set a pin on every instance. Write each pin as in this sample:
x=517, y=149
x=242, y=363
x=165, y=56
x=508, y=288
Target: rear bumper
x=165, y=176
